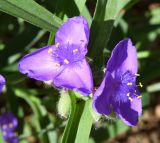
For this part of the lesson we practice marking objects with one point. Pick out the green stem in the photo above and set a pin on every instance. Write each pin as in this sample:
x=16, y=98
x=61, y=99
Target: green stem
x=80, y=121
x=51, y=38
x=1, y=137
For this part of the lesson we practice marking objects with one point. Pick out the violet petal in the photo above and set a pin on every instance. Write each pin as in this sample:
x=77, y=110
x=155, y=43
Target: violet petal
x=101, y=98
x=40, y=64
x=2, y=82
x=123, y=58
x=76, y=77
x=75, y=30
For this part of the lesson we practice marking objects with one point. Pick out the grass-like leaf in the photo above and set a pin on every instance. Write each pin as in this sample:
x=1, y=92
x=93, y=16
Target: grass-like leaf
x=31, y=12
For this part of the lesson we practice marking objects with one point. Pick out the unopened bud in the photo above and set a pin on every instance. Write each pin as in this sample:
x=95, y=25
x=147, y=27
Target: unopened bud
x=64, y=104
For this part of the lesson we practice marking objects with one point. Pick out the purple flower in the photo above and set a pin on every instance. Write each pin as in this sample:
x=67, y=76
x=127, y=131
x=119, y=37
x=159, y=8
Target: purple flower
x=118, y=92
x=2, y=83
x=64, y=62
x=8, y=124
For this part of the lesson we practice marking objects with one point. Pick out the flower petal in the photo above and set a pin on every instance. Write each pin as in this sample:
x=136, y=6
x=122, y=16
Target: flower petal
x=2, y=82
x=123, y=58
x=129, y=111
x=101, y=98
x=75, y=30
x=77, y=77
x=12, y=138
x=9, y=120
x=40, y=64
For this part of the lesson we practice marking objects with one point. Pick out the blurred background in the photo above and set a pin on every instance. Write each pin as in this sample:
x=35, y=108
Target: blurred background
x=35, y=103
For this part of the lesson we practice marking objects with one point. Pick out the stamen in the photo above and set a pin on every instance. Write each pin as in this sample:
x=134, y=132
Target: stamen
x=57, y=45
x=140, y=84
x=57, y=65
x=130, y=98
x=75, y=50
x=128, y=94
x=139, y=96
x=129, y=83
x=66, y=61
x=50, y=50
x=137, y=74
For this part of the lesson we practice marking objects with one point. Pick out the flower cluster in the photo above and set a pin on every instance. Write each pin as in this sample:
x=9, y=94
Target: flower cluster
x=8, y=124
x=64, y=63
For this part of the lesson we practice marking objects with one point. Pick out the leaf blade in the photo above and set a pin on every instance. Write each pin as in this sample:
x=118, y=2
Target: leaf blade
x=101, y=28
x=31, y=12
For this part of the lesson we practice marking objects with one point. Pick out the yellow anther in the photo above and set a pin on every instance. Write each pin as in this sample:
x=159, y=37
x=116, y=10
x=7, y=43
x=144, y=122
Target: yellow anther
x=75, y=50
x=140, y=84
x=10, y=125
x=66, y=61
x=128, y=94
x=137, y=74
x=129, y=83
x=130, y=98
x=57, y=45
x=50, y=50
x=139, y=97
x=57, y=65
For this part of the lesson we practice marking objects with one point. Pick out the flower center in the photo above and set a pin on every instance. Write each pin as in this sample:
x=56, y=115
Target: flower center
x=126, y=88
x=66, y=54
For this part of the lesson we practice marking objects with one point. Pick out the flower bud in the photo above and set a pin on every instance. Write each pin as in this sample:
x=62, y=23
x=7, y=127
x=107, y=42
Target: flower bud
x=64, y=104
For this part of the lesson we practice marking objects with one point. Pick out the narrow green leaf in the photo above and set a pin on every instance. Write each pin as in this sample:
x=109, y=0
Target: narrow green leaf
x=101, y=28
x=154, y=87
x=80, y=121
x=85, y=124
x=51, y=38
x=69, y=8
x=85, y=12
x=72, y=125
x=80, y=4
x=31, y=12
x=1, y=137
x=40, y=115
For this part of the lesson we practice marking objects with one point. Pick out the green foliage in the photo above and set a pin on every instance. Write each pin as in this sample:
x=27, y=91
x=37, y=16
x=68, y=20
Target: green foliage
x=35, y=103
x=101, y=28
x=80, y=121
x=1, y=138
x=31, y=12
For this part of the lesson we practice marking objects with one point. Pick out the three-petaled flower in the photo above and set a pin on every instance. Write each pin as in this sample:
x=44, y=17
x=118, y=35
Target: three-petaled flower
x=8, y=124
x=64, y=62
x=118, y=92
